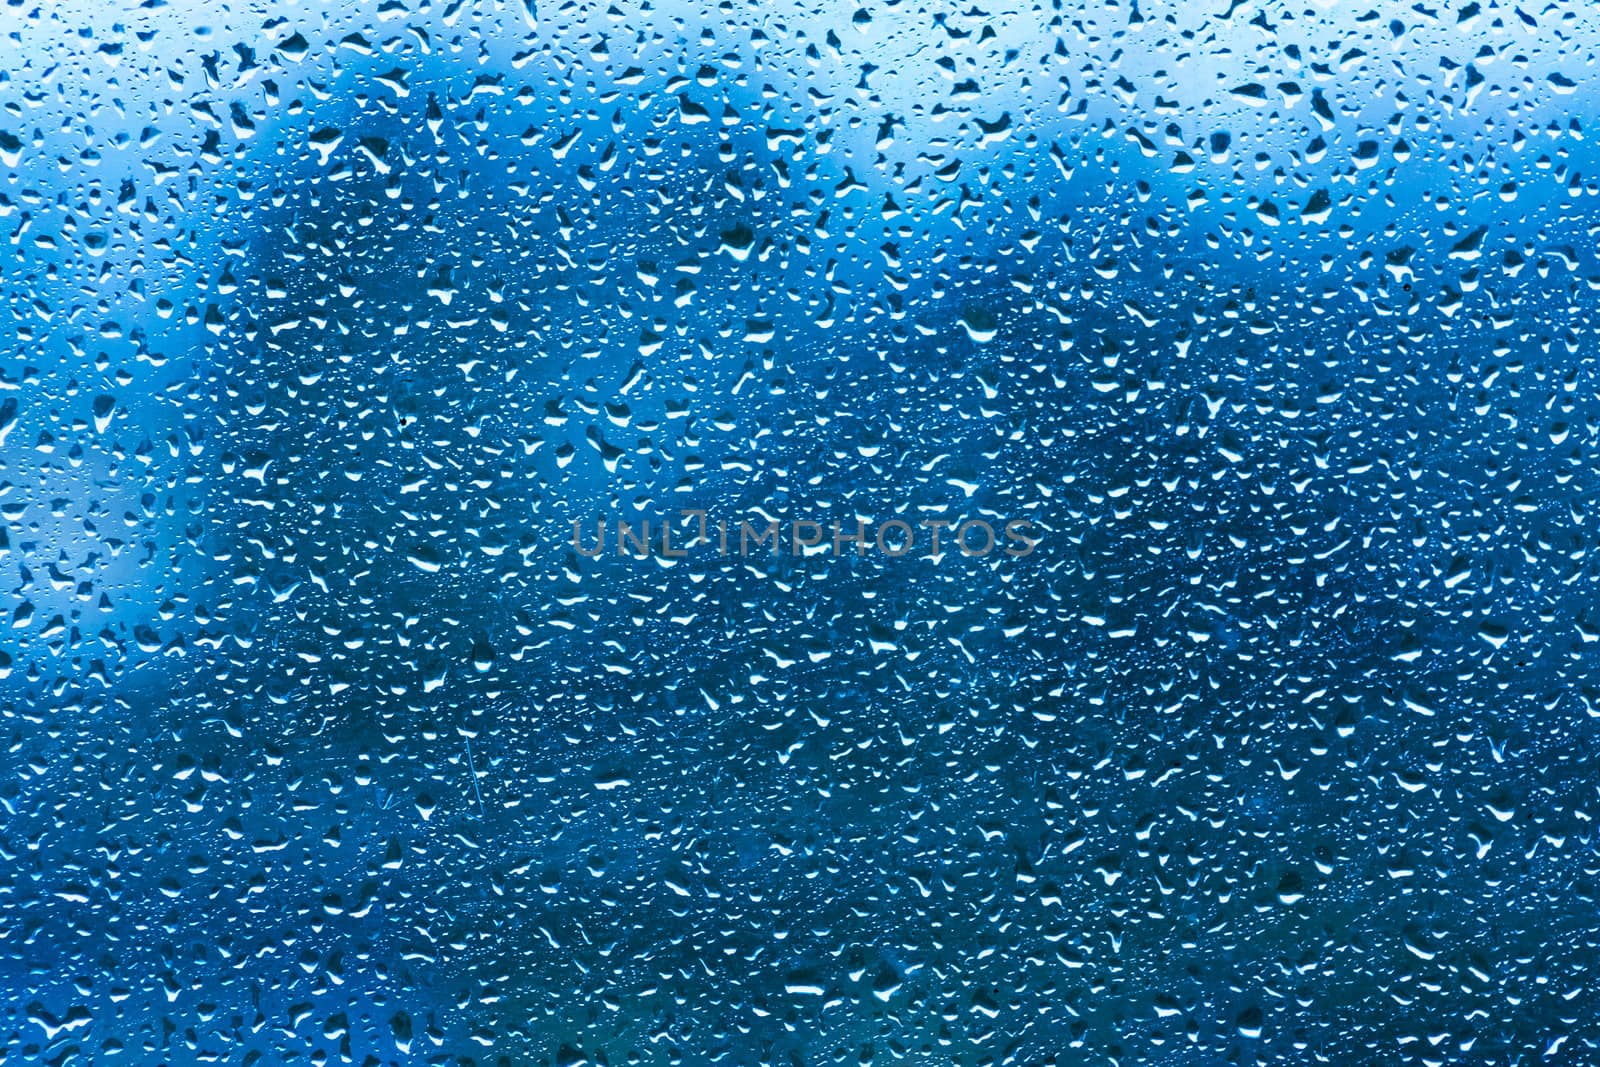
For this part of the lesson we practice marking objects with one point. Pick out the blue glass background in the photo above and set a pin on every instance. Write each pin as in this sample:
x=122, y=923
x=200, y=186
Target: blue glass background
x=326, y=321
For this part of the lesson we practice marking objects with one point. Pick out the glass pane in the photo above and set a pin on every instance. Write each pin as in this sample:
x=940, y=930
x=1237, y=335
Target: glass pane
x=773, y=533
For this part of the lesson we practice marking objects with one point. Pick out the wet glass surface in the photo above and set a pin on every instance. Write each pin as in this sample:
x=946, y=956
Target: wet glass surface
x=471, y=485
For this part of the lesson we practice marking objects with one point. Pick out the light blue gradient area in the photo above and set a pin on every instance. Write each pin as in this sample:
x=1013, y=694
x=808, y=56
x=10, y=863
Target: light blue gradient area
x=324, y=321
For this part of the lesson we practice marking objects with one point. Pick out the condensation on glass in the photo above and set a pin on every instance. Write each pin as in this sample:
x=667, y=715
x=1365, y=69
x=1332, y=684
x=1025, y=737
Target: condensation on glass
x=469, y=476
